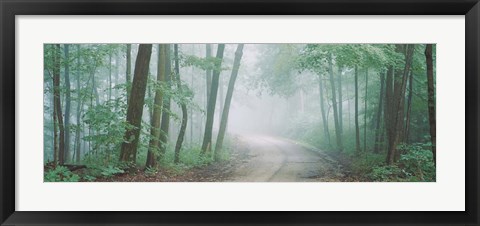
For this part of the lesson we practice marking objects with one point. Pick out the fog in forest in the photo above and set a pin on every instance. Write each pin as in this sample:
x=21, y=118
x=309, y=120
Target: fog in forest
x=281, y=112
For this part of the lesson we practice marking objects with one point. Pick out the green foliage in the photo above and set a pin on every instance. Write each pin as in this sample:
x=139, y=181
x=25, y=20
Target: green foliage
x=385, y=173
x=207, y=63
x=110, y=171
x=150, y=171
x=314, y=56
x=98, y=169
x=190, y=158
x=89, y=178
x=60, y=174
x=417, y=162
x=108, y=122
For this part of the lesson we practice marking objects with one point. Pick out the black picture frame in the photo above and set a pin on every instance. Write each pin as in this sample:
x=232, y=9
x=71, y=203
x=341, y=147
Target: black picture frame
x=10, y=8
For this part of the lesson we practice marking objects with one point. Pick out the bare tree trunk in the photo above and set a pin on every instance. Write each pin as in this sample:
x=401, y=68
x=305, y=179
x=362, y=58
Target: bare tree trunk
x=67, y=102
x=389, y=109
x=79, y=110
x=58, y=105
x=365, y=112
x=228, y=100
x=110, y=75
x=135, y=105
x=220, y=97
x=357, y=130
x=191, y=109
x=183, y=126
x=165, y=124
x=154, y=145
x=409, y=108
x=378, y=132
x=129, y=70
x=117, y=65
x=349, y=109
x=209, y=73
x=207, y=138
x=334, y=103
x=431, y=100
x=55, y=132
x=396, y=107
x=340, y=102
x=322, y=109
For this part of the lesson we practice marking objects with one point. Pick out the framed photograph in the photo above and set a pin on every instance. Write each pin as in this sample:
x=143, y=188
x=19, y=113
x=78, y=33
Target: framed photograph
x=252, y=113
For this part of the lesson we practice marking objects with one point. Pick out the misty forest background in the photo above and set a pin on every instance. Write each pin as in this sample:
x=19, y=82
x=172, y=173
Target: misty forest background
x=113, y=109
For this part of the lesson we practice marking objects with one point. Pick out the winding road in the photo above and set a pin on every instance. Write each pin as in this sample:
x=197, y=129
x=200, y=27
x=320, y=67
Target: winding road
x=273, y=159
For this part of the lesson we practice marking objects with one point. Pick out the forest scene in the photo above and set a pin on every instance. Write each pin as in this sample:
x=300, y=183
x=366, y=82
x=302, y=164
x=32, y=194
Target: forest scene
x=239, y=112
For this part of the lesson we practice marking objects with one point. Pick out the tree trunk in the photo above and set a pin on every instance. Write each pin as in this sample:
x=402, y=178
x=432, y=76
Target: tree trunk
x=79, y=100
x=207, y=138
x=58, y=105
x=322, y=109
x=379, y=114
x=396, y=108
x=431, y=100
x=67, y=102
x=340, y=102
x=55, y=132
x=388, y=111
x=409, y=108
x=220, y=97
x=228, y=100
x=334, y=104
x=117, y=65
x=183, y=127
x=349, y=109
x=165, y=124
x=135, y=106
x=191, y=109
x=129, y=70
x=209, y=73
x=110, y=75
x=357, y=130
x=365, y=112
x=154, y=145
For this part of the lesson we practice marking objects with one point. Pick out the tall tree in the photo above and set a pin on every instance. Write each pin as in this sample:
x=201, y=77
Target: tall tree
x=338, y=133
x=379, y=113
x=409, y=108
x=57, y=103
x=228, y=100
x=183, y=126
x=135, y=105
x=129, y=70
x=431, y=100
x=340, y=101
x=67, y=102
x=165, y=124
x=117, y=66
x=326, y=133
x=357, y=130
x=397, y=101
x=207, y=138
x=154, y=145
x=365, y=112
x=55, y=132
x=109, y=74
x=79, y=107
x=209, y=72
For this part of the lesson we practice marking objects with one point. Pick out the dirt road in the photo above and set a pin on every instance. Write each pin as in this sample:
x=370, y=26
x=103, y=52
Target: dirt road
x=272, y=159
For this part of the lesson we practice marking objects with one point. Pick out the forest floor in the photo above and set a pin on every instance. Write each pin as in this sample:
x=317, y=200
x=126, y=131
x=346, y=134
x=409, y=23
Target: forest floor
x=254, y=158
